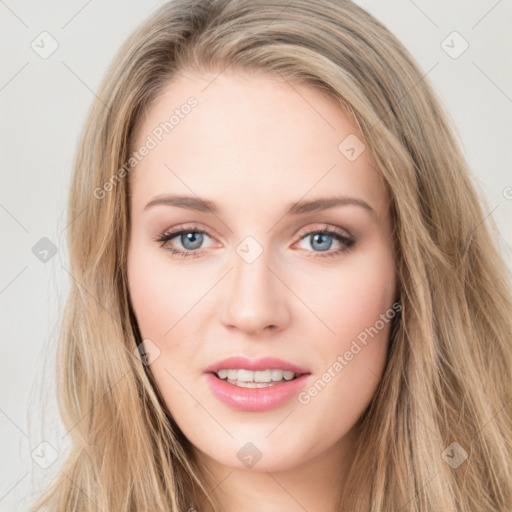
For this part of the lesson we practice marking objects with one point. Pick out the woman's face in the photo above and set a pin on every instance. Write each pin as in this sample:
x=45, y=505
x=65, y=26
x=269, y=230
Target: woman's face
x=262, y=268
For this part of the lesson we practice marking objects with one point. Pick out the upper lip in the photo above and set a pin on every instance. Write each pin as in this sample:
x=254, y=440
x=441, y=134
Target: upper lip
x=265, y=363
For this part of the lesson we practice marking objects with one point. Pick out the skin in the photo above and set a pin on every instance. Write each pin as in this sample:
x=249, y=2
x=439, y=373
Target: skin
x=254, y=145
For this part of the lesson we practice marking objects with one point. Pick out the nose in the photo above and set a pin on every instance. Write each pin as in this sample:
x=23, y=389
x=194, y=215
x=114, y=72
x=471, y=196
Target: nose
x=256, y=298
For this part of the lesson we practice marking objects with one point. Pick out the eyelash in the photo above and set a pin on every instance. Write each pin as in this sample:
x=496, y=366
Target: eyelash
x=347, y=241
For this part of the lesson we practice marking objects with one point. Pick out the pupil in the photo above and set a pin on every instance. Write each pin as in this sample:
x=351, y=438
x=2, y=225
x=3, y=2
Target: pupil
x=319, y=237
x=192, y=238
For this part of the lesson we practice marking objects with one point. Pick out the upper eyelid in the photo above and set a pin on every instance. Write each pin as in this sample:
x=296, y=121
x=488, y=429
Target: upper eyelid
x=304, y=231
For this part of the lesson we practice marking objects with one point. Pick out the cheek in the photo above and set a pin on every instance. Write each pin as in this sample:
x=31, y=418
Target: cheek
x=357, y=306
x=165, y=303
x=160, y=303
x=158, y=300
x=351, y=298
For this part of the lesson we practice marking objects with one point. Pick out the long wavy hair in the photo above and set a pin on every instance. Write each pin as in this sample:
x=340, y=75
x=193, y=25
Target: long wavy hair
x=448, y=373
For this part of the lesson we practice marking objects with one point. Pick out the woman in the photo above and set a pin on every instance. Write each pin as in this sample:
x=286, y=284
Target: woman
x=285, y=293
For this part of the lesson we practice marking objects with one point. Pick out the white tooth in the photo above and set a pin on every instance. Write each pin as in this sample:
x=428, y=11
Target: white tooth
x=241, y=384
x=245, y=376
x=263, y=376
x=260, y=376
x=262, y=384
x=251, y=385
x=277, y=375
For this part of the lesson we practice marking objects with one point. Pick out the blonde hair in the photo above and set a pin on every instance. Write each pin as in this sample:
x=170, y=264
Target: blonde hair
x=447, y=377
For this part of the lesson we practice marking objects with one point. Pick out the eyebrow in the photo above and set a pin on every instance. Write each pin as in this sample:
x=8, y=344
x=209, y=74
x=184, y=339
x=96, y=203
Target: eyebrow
x=299, y=208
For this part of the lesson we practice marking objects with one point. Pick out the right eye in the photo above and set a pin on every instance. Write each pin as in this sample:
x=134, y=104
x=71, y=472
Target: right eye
x=191, y=238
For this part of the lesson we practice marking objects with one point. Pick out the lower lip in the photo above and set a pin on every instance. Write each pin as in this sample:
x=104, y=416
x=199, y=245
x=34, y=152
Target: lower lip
x=255, y=399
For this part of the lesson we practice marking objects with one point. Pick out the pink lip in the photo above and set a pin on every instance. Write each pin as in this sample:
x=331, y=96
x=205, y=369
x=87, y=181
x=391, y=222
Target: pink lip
x=255, y=399
x=265, y=363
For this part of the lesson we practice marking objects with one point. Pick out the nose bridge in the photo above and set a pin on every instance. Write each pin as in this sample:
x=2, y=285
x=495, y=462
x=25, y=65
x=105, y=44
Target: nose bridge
x=256, y=298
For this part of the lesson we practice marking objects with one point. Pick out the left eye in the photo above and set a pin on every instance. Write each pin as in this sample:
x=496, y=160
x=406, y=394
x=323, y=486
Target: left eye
x=191, y=239
x=323, y=240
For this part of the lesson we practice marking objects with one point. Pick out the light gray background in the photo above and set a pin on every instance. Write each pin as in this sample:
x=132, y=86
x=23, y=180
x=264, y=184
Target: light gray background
x=43, y=103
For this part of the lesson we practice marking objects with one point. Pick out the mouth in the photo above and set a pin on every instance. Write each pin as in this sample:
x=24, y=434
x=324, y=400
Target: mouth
x=244, y=378
x=255, y=385
x=247, y=393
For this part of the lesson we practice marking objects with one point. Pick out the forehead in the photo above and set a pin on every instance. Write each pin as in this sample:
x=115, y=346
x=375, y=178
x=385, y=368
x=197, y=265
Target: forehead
x=250, y=136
